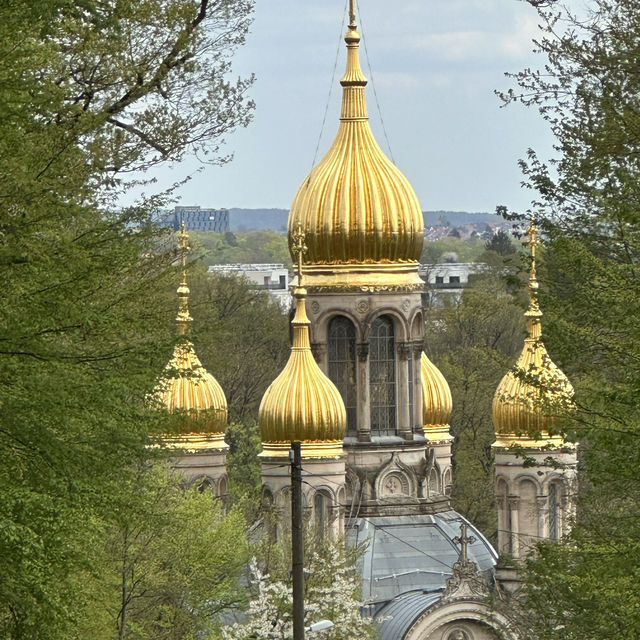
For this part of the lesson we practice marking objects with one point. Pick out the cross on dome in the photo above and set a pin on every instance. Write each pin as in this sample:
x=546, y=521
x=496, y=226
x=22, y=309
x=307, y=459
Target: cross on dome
x=464, y=541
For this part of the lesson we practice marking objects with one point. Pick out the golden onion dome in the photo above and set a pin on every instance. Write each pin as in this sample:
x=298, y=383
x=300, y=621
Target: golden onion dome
x=358, y=212
x=436, y=401
x=302, y=403
x=529, y=396
x=186, y=386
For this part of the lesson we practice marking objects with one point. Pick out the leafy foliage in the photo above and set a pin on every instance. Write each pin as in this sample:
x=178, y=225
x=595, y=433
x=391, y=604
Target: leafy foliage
x=474, y=341
x=589, y=204
x=243, y=247
x=89, y=91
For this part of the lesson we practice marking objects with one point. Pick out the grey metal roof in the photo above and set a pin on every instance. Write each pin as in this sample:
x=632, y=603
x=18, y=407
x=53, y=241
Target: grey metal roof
x=397, y=616
x=413, y=553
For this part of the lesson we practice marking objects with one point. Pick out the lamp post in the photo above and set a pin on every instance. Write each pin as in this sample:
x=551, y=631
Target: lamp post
x=297, y=550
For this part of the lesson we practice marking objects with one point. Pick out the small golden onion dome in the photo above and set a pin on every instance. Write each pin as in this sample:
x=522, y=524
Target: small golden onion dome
x=357, y=210
x=302, y=403
x=187, y=388
x=436, y=401
x=529, y=396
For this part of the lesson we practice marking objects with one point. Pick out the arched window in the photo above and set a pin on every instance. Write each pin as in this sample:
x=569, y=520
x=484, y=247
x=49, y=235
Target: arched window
x=342, y=366
x=321, y=512
x=382, y=376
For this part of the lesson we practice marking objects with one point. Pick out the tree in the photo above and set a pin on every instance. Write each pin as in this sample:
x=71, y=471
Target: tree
x=588, y=206
x=242, y=338
x=501, y=243
x=473, y=341
x=331, y=589
x=173, y=562
x=89, y=92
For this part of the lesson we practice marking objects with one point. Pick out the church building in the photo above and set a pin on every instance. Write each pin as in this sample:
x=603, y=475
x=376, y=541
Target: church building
x=372, y=411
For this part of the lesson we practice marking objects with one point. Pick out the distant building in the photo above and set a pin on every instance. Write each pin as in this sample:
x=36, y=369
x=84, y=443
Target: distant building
x=274, y=278
x=197, y=219
x=448, y=278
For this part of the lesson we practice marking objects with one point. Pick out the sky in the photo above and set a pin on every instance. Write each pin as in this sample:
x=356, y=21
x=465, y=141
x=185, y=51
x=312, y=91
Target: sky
x=435, y=66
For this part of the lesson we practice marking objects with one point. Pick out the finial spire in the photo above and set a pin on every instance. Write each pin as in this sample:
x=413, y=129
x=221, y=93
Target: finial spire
x=298, y=249
x=183, y=319
x=533, y=313
x=352, y=14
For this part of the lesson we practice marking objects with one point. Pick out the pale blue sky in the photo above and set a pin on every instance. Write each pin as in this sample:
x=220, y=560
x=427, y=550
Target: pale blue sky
x=435, y=66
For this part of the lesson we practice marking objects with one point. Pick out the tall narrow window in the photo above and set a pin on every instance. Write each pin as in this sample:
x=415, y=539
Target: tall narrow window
x=321, y=512
x=382, y=376
x=553, y=512
x=342, y=366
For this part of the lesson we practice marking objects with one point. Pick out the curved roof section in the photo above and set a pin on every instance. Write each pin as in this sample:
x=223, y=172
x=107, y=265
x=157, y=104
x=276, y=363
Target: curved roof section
x=398, y=616
x=413, y=553
x=437, y=404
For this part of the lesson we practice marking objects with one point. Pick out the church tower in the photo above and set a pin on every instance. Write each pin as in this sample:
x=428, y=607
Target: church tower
x=535, y=498
x=194, y=395
x=303, y=405
x=364, y=229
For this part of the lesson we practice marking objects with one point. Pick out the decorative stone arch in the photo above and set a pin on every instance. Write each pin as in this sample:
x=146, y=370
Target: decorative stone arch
x=557, y=478
x=321, y=333
x=502, y=481
x=204, y=483
x=400, y=324
x=416, y=323
x=526, y=477
x=473, y=617
x=395, y=479
x=447, y=481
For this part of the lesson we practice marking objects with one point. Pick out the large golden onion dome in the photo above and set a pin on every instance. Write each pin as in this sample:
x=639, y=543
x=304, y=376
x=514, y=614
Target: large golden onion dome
x=436, y=401
x=358, y=212
x=187, y=387
x=302, y=403
x=535, y=390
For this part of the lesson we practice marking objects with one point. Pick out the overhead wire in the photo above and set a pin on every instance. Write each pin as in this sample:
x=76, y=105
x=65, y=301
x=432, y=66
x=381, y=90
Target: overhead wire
x=373, y=84
x=333, y=76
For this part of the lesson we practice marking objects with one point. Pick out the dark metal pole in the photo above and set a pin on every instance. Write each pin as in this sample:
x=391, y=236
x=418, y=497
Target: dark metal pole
x=297, y=550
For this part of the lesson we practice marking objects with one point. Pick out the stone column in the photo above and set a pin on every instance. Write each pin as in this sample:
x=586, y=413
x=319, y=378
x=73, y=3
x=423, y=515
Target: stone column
x=514, y=512
x=503, y=534
x=542, y=505
x=402, y=397
x=364, y=409
x=418, y=427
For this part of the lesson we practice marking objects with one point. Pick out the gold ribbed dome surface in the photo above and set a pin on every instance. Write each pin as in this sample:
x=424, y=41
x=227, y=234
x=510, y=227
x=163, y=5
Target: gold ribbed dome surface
x=436, y=401
x=302, y=403
x=523, y=405
x=356, y=207
x=187, y=387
